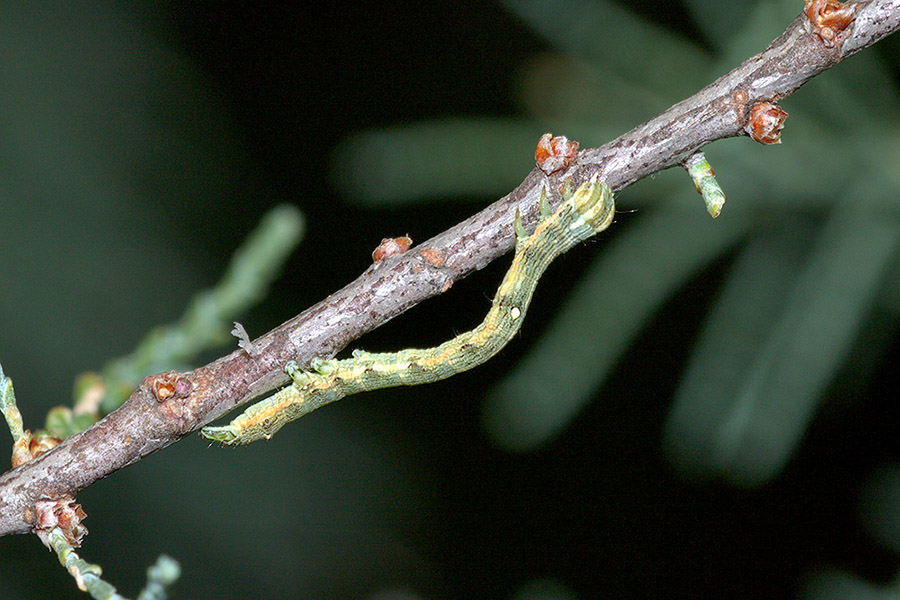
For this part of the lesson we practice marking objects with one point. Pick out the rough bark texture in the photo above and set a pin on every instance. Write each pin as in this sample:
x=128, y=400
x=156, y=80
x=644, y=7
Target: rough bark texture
x=145, y=424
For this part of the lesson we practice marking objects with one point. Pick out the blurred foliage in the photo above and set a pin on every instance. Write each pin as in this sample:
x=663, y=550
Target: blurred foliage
x=208, y=319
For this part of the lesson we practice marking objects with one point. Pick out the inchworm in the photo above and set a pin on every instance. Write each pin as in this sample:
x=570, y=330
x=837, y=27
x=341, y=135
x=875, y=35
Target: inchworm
x=582, y=214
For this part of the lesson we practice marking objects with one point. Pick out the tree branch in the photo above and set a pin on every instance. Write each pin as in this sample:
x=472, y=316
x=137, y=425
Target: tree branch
x=167, y=407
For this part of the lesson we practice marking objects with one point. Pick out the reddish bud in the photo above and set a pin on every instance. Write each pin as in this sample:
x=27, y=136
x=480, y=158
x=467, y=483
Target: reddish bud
x=28, y=446
x=63, y=513
x=169, y=385
x=40, y=444
x=21, y=452
x=766, y=122
x=182, y=387
x=554, y=153
x=390, y=247
x=163, y=390
x=828, y=18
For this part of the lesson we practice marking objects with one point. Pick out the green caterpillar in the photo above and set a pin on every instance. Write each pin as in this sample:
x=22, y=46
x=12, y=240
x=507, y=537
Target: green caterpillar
x=582, y=214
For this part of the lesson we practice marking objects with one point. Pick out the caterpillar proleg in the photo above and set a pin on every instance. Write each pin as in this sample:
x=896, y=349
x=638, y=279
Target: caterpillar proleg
x=582, y=214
